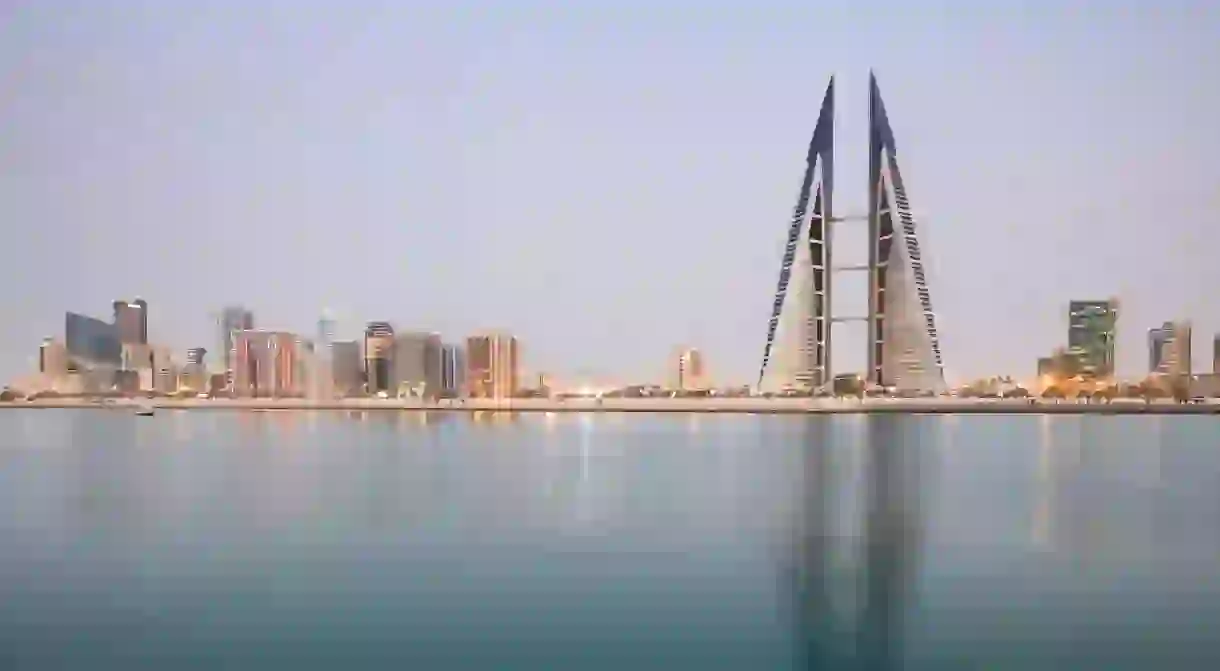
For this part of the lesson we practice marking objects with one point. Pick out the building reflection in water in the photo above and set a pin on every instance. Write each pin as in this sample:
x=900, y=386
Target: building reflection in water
x=809, y=573
x=493, y=417
x=107, y=478
x=1042, y=531
x=871, y=636
x=893, y=535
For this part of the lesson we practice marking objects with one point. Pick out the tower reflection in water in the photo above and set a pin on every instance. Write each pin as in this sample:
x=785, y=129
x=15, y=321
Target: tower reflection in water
x=877, y=582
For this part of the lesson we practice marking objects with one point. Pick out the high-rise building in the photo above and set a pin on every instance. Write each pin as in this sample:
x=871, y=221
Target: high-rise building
x=379, y=357
x=1091, y=335
x=1169, y=349
x=797, y=351
x=233, y=318
x=265, y=364
x=347, y=368
x=1157, y=338
x=417, y=362
x=52, y=358
x=903, y=345
x=492, y=365
x=131, y=320
x=453, y=370
x=689, y=370
x=1180, y=360
x=194, y=375
x=324, y=381
x=92, y=342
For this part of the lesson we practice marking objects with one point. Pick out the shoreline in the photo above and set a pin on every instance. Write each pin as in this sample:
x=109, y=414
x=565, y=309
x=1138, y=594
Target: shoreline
x=635, y=405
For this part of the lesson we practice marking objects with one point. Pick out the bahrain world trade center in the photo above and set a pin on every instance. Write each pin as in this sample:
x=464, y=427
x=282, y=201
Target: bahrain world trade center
x=902, y=343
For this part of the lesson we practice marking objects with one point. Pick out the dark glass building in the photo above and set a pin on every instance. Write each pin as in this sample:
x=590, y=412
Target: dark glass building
x=1092, y=328
x=379, y=357
x=92, y=341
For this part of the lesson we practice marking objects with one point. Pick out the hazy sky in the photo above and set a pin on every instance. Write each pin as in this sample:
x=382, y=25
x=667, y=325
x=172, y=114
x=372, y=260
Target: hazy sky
x=608, y=180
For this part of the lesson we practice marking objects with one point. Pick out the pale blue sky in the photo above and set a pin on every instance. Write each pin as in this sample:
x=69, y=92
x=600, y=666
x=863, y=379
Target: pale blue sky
x=606, y=179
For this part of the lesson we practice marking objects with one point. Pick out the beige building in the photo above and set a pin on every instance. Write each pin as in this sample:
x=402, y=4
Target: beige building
x=1169, y=349
x=690, y=373
x=53, y=358
x=492, y=365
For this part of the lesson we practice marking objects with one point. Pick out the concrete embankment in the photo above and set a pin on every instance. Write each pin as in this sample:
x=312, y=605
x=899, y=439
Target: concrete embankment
x=667, y=405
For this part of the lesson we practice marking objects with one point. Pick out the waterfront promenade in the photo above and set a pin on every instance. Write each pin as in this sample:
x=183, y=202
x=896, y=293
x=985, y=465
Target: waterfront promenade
x=655, y=405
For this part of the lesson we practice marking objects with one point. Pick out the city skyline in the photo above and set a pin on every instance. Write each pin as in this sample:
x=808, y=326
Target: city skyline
x=367, y=189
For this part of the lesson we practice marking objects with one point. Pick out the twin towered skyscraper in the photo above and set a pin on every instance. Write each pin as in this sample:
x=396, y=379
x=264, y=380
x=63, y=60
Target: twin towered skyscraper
x=902, y=343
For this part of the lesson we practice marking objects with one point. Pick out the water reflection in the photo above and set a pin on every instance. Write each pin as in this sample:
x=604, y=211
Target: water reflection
x=810, y=570
x=872, y=636
x=893, y=536
x=106, y=478
x=493, y=417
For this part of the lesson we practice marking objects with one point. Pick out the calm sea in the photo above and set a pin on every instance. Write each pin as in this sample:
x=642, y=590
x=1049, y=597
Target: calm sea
x=248, y=540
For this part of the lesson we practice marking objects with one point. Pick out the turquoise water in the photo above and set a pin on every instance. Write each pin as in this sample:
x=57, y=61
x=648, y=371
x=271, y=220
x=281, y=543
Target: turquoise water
x=244, y=540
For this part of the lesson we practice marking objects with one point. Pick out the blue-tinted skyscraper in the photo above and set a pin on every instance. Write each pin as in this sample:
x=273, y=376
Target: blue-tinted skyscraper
x=92, y=342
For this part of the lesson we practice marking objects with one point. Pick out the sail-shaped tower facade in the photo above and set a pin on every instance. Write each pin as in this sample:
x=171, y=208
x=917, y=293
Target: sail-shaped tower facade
x=903, y=346
x=797, y=351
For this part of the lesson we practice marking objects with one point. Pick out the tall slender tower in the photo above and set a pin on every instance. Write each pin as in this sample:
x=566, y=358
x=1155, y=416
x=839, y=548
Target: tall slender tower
x=324, y=379
x=797, y=351
x=903, y=345
x=903, y=348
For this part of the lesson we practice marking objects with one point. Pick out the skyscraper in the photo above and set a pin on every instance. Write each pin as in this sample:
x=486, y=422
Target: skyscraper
x=689, y=370
x=492, y=361
x=800, y=311
x=346, y=368
x=1157, y=338
x=52, y=358
x=417, y=361
x=379, y=357
x=903, y=346
x=265, y=364
x=453, y=370
x=1092, y=328
x=92, y=342
x=131, y=320
x=1169, y=349
x=324, y=381
x=233, y=319
x=194, y=375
